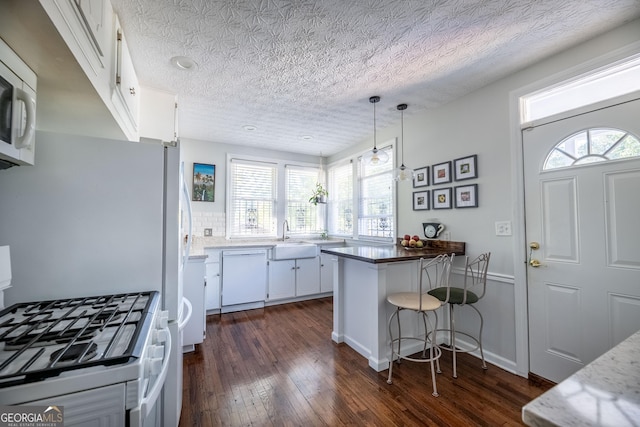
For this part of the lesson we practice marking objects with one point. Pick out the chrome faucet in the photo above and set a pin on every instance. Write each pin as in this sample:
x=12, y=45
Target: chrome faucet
x=285, y=228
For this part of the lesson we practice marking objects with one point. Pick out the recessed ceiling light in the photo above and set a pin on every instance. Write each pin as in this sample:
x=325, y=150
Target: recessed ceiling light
x=249, y=128
x=306, y=137
x=183, y=63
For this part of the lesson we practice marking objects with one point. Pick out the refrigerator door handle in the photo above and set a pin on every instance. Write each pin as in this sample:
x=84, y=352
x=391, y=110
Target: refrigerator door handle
x=187, y=200
x=185, y=319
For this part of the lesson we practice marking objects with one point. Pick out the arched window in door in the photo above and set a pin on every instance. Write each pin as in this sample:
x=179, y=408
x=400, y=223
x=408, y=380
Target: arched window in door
x=591, y=146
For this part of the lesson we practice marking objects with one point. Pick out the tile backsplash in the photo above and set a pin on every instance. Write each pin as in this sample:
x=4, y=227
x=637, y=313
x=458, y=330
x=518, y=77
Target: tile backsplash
x=213, y=220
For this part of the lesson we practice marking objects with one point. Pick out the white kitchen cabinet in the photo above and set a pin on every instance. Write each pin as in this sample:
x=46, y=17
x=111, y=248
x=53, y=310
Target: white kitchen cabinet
x=293, y=278
x=282, y=279
x=126, y=89
x=158, y=114
x=96, y=15
x=307, y=276
x=86, y=27
x=93, y=34
x=194, y=291
x=326, y=273
x=212, y=269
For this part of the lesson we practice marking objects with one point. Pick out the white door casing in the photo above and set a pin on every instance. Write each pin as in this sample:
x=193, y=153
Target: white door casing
x=585, y=297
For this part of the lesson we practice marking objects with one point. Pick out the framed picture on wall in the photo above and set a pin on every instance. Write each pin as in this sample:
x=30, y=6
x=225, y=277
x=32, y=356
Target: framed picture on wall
x=467, y=196
x=421, y=200
x=421, y=177
x=442, y=198
x=204, y=182
x=465, y=168
x=441, y=173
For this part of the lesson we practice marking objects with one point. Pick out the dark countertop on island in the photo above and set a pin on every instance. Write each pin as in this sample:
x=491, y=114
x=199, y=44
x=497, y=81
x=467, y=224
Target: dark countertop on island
x=395, y=253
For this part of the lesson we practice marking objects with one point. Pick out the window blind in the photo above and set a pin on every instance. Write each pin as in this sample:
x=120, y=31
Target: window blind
x=303, y=217
x=340, y=202
x=252, y=198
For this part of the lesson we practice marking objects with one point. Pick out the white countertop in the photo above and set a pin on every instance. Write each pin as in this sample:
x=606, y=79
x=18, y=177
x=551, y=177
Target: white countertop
x=606, y=392
x=200, y=244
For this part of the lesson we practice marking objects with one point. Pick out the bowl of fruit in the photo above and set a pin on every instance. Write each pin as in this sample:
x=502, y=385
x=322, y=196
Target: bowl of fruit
x=411, y=242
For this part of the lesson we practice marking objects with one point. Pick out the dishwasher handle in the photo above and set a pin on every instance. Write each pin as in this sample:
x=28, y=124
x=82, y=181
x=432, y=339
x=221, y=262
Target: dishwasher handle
x=242, y=253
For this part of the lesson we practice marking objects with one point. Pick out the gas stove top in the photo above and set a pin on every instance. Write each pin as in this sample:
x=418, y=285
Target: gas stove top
x=39, y=340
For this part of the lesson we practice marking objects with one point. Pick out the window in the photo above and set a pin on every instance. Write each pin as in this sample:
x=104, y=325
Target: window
x=340, y=202
x=612, y=81
x=252, y=198
x=303, y=217
x=376, y=201
x=591, y=146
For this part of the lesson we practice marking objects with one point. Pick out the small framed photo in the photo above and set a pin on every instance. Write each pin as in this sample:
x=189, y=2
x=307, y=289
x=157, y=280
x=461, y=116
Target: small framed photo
x=204, y=182
x=465, y=168
x=442, y=198
x=467, y=196
x=421, y=200
x=441, y=173
x=421, y=177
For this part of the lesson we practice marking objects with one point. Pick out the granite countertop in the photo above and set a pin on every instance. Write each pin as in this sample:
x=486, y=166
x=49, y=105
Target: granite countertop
x=605, y=392
x=395, y=253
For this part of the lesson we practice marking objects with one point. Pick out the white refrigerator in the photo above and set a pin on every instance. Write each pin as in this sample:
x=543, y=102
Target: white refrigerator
x=97, y=217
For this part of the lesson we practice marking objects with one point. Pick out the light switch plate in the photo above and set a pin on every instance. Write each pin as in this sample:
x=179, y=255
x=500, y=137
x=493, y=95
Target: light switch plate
x=503, y=228
x=207, y=232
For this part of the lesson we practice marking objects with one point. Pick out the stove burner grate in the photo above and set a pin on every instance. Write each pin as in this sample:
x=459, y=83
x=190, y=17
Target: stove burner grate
x=72, y=334
x=75, y=353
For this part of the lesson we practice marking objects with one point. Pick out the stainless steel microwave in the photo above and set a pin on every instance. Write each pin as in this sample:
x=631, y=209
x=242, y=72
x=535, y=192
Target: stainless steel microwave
x=17, y=110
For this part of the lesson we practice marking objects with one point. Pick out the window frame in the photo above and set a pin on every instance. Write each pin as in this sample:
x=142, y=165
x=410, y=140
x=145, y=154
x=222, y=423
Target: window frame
x=280, y=201
x=355, y=160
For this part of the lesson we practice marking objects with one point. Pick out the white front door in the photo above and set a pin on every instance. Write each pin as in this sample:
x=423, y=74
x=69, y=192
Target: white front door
x=584, y=297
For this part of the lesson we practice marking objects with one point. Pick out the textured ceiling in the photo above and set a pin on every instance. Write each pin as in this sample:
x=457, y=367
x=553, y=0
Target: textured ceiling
x=295, y=68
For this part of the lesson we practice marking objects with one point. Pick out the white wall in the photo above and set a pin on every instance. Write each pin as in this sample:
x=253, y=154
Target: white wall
x=212, y=215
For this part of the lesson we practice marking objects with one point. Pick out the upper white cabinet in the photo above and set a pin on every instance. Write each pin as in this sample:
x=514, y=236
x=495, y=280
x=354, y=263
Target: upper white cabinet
x=158, y=114
x=93, y=34
x=87, y=28
x=96, y=15
x=126, y=89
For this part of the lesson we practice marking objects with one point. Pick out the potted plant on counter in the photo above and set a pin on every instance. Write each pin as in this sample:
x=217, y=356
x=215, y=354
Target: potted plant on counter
x=319, y=194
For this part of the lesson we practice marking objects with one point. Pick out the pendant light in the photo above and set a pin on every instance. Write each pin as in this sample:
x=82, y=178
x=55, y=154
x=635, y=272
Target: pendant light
x=375, y=157
x=402, y=173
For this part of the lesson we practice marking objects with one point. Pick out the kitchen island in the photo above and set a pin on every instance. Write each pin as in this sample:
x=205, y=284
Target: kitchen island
x=363, y=277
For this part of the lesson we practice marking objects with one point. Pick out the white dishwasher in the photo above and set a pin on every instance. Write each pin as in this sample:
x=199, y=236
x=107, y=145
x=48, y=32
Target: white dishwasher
x=244, y=279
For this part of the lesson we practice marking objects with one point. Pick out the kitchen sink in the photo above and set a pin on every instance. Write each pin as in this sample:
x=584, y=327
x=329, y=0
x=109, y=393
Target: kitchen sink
x=293, y=250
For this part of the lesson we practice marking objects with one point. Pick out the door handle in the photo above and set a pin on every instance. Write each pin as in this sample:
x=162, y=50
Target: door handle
x=534, y=246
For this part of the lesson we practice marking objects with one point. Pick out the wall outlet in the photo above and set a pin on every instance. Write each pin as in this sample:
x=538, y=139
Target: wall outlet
x=503, y=228
x=207, y=232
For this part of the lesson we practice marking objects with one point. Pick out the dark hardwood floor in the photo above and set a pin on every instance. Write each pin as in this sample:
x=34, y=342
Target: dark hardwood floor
x=279, y=367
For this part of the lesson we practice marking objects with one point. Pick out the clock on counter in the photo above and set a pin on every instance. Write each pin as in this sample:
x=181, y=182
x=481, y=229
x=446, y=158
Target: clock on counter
x=432, y=229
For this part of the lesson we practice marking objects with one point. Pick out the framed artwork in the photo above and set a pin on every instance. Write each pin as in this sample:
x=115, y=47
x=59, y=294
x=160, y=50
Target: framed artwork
x=204, y=182
x=421, y=177
x=442, y=198
x=467, y=196
x=441, y=173
x=465, y=168
x=421, y=200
